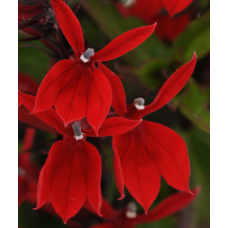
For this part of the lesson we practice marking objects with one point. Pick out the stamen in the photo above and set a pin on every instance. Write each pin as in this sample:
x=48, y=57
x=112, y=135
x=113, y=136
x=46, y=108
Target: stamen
x=128, y=3
x=131, y=210
x=139, y=103
x=77, y=130
x=85, y=57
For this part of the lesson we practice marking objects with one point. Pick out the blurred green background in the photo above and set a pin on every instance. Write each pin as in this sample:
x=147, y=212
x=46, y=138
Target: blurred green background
x=144, y=69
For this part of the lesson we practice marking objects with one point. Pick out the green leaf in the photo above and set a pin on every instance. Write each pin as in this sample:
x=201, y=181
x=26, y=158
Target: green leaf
x=195, y=38
x=113, y=24
x=193, y=105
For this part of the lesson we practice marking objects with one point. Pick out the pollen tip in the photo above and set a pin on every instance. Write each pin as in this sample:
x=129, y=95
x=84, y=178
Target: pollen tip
x=139, y=103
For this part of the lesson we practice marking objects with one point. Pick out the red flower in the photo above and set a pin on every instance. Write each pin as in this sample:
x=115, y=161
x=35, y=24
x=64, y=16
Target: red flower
x=77, y=88
x=147, y=8
x=72, y=172
x=152, y=150
x=128, y=218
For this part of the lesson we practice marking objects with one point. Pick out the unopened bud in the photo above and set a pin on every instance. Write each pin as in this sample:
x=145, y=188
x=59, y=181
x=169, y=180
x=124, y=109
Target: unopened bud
x=139, y=103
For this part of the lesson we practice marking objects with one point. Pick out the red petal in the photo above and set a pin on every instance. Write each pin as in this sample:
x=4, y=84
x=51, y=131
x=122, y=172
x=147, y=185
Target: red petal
x=27, y=84
x=113, y=126
x=175, y=6
x=118, y=174
x=69, y=25
x=55, y=157
x=25, y=117
x=124, y=43
x=50, y=116
x=56, y=79
x=99, y=99
x=91, y=165
x=169, y=152
x=105, y=225
x=118, y=94
x=71, y=103
x=141, y=175
x=68, y=186
x=168, y=206
x=172, y=86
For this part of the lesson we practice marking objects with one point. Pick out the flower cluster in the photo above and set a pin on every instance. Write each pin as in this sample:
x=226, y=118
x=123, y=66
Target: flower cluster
x=74, y=100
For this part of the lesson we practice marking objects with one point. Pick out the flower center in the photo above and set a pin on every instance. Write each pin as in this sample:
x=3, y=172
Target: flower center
x=139, y=103
x=77, y=131
x=131, y=210
x=85, y=57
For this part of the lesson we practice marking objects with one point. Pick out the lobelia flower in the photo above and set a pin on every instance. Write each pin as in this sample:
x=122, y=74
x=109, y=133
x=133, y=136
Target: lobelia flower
x=128, y=218
x=78, y=89
x=147, y=8
x=72, y=172
x=152, y=150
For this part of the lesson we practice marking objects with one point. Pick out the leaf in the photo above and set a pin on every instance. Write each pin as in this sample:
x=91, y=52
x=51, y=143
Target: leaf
x=193, y=104
x=195, y=38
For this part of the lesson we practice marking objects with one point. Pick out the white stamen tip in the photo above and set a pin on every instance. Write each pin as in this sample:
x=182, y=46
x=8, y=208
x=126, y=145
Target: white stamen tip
x=131, y=210
x=84, y=60
x=128, y=3
x=78, y=137
x=139, y=103
x=131, y=214
x=89, y=53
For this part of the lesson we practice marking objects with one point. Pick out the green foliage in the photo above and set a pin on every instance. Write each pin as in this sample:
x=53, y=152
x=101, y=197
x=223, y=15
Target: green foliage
x=195, y=38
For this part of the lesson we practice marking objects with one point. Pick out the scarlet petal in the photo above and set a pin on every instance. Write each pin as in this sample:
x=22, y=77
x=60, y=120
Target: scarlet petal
x=169, y=152
x=68, y=186
x=55, y=157
x=55, y=80
x=175, y=6
x=69, y=25
x=118, y=94
x=50, y=117
x=114, y=126
x=105, y=225
x=172, y=86
x=140, y=172
x=27, y=84
x=124, y=43
x=71, y=102
x=99, y=99
x=168, y=206
x=91, y=165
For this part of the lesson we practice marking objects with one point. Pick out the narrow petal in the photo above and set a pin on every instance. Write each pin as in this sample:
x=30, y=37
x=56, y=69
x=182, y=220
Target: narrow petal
x=168, y=206
x=69, y=25
x=55, y=157
x=91, y=164
x=169, y=151
x=175, y=6
x=124, y=43
x=99, y=99
x=27, y=84
x=50, y=117
x=140, y=172
x=172, y=87
x=71, y=102
x=113, y=126
x=68, y=186
x=56, y=79
x=118, y=94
